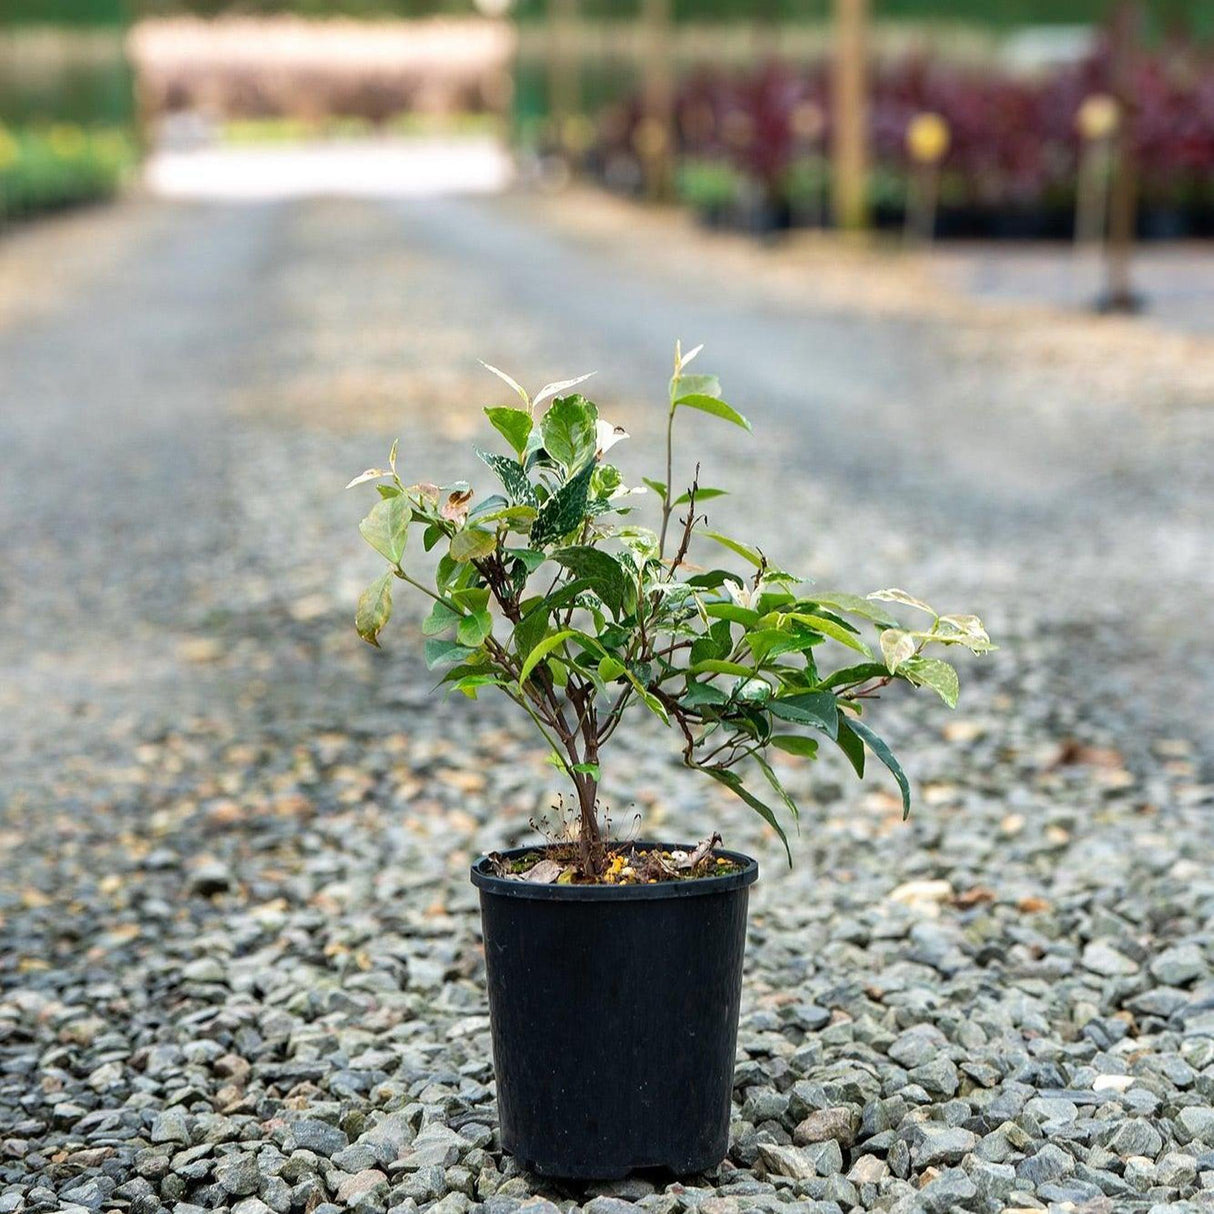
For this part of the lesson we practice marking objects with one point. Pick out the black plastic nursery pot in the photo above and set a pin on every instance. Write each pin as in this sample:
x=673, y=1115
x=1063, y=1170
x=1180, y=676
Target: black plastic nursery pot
x=614, y=1013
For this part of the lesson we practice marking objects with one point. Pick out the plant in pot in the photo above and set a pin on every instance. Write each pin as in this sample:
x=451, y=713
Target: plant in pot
x=614, y=968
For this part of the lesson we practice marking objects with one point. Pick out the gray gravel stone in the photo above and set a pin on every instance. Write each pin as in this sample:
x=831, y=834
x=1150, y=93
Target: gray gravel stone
x=319, y=1137
x=933, y=1145
x=1180, y=965
x=1135, y=1137
x=239, y=1174
x=1048, y=1164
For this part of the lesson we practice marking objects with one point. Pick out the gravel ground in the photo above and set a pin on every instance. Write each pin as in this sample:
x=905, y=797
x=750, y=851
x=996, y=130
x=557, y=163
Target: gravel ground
x=240, y=959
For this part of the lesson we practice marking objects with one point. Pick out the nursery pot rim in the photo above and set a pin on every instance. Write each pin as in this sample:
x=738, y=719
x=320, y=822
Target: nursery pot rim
x=507, y=887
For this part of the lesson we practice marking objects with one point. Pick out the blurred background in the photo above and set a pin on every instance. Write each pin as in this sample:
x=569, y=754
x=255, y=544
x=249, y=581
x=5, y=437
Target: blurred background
x=955, y=261
x=991, y=119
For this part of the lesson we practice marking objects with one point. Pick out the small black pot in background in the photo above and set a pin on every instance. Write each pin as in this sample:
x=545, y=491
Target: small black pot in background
x=614, y=1012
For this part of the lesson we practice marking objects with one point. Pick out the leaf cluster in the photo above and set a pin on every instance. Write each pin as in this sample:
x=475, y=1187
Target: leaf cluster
x=548, y=592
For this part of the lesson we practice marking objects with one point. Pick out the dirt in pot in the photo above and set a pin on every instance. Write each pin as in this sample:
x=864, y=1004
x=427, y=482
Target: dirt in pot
x=626, y=864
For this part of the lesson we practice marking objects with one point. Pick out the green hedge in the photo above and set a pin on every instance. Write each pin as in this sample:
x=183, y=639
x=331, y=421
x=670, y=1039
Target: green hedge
x=48, y=168
x=64, y=12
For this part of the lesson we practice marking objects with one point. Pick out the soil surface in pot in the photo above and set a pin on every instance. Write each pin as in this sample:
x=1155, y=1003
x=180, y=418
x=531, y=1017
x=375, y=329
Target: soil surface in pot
x=624, y=864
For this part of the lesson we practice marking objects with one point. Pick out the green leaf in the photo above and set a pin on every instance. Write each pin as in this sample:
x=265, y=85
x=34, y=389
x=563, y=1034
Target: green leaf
x=849, y=743
x=563, y=511
x=471, y=598
x=738, y=614
x=374, y=608
x=703, y=494
x=816, y=708
x=768, y=643
x=933, y=673
x=514, y=425
x=658, y=487
x=587, y=769
x=733, y=782
x=473, y=629
x=471, y=544
x=530, y=630
x=605, y=482
x=699, y=695
x=795, y=744
x=601, y=571
x=833, y=630
x=610, y=669
x=859, y=673
x=716, y=666
x=710, y=404
x=779, y=788
x=512, y=476
x=531, y=559
x=542, y=650
x=445, y=653
x=883, y=752
x=743, y=550
x=386, y=527
x=441, y=618
x=568, y=429
x=470, y=683
x=896, y=647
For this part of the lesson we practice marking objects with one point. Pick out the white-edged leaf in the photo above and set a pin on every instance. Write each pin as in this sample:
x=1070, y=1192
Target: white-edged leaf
x=371, y=474
x=966, y=630
x=507, y=379
x=560, y=386
x=894, y=595
x=685, y=359
x=853, y=604
x=896, y=647
x=936, y=674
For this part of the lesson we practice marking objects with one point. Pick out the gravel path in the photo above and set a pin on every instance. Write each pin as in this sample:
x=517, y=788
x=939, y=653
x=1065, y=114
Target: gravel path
x=239, y=952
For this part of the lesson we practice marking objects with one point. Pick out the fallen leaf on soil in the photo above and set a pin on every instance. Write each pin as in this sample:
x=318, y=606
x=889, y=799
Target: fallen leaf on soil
x=543, y=873
x=973, y=896
x=1032, y=905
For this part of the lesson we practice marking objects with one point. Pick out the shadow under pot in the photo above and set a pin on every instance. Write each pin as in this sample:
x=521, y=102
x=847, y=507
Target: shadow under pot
x=614, y=1014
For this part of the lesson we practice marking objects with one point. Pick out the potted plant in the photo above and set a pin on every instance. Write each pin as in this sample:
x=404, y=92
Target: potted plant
x=614, y=968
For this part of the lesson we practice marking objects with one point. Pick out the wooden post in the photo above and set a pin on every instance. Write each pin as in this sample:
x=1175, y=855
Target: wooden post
x=1123, y=199
x=655, y=137
x=850, y=149
x=564, y=91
